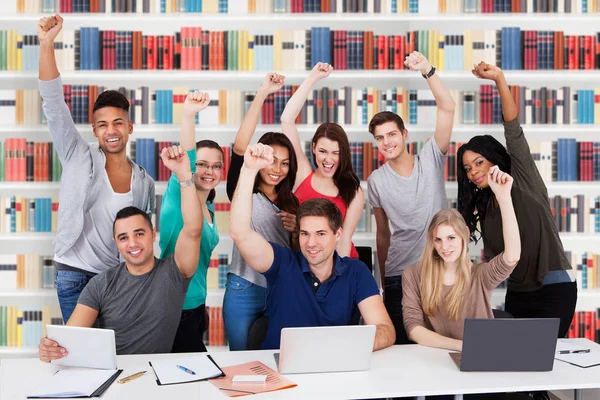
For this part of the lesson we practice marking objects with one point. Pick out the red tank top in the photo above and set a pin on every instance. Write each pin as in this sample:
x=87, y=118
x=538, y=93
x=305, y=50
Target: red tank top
x=306, y=192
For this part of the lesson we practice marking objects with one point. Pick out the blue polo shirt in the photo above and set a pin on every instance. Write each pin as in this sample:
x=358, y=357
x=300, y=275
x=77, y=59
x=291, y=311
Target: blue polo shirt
x=292, y=303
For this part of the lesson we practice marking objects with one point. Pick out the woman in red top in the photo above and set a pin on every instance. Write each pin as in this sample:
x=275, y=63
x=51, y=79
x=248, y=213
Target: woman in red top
x=334, y=178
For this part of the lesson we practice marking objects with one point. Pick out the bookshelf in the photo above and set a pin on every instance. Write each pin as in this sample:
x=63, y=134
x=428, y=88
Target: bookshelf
x=248, y=80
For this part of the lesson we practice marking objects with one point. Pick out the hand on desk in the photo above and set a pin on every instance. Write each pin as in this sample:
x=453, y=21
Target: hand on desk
x=49, y=350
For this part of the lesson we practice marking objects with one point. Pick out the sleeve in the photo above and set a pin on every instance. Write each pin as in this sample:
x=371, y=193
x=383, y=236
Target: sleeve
x=67, y=140
x=523, y=168
x=281, y=255
x=233, y=174
x=152, y=197
x=372, y=194
x=432, y=154
x=412, y=309
x=366, y=286
x=91, y=295
x=494, y=272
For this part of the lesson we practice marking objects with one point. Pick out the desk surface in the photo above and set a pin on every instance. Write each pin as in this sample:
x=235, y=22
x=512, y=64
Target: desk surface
x=397, y=371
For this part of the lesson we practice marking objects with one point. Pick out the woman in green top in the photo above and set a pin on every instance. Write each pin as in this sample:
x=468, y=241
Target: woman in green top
x=206, y=158
x=542, y=285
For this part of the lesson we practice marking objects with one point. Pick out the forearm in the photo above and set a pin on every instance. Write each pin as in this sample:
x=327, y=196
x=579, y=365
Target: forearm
x=240, y=215
x=187, y=139
x=385, y=336
x=442, y=96
x=295, y=103
x=344, y=246
x=244, y=134
x=510, y=231
x=426, y=337
x=191, y=210
x=509, y=108
x=47, y=63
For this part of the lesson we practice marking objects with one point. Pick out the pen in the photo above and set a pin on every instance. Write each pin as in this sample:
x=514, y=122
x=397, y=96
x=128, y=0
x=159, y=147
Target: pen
x=131, y=377
x=189, y=371
x=574, y=351
x=277, y=210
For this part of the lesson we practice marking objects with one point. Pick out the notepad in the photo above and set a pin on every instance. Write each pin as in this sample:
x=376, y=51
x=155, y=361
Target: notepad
x=584, y=360
x=76, y=383
x=167, y=372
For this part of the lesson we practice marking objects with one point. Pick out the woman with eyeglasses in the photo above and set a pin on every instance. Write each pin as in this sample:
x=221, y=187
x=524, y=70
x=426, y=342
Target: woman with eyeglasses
x=206, y=158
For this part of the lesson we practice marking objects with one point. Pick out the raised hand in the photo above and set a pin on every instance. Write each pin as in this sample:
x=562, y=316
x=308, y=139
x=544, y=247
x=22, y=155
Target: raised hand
x=321, y=71
x=195, y=102
x=484, y=70
x=258, y=156
x=272, y=82
x=288, y=220
x=500, y=182
x=178, y=162
x=417, y=62
x=49, y=27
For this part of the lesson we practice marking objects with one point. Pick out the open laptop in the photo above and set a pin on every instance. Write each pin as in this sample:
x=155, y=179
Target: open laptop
x=326, y=349
x=526, y=344
x=87, y=347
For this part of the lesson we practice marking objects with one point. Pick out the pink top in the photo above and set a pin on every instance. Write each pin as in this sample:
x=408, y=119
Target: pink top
x=306, y=192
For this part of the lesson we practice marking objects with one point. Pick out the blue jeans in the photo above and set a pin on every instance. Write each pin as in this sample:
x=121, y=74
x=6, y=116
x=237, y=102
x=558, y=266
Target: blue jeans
x=243, y=303
x=69, y=285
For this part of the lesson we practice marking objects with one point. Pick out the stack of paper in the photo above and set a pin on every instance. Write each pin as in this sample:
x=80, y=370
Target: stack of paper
x=76, y=383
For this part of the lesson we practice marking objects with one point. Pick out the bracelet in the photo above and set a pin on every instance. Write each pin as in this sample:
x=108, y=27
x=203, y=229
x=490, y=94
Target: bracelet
x=186, y=183
x=430, y=73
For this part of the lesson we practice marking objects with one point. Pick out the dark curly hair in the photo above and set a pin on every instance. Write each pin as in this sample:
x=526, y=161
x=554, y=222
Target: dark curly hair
x=472, y=201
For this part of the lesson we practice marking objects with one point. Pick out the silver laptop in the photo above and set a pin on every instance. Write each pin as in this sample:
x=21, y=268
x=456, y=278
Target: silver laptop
x=326, y=349
x=87, y=347
x=526, y=344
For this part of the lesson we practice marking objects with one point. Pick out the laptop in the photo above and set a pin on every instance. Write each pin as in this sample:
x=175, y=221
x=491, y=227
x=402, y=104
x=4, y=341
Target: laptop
x=326, y=349
x=526, y=344
x=87, y=347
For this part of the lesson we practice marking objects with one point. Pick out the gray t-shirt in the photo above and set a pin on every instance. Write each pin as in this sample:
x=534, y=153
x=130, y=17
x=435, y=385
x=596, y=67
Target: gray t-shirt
x=410, y=202
x=143, y=310
x=267, y=223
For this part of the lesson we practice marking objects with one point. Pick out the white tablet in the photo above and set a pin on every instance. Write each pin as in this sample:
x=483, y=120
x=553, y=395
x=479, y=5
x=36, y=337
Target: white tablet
x=87, y=347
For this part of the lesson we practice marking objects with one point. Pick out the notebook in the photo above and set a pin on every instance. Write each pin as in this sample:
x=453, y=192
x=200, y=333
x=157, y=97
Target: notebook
x=167, y=372
x=581, y=352
x=87, y=347
x=69, y=383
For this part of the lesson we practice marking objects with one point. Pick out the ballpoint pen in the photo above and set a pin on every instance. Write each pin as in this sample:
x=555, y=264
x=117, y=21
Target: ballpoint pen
x=574, y=351
x=131, y=377
x=189, y=371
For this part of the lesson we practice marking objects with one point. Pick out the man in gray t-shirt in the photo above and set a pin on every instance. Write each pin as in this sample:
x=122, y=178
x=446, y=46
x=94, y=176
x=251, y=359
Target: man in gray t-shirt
x=407, y=191
x=141, y=300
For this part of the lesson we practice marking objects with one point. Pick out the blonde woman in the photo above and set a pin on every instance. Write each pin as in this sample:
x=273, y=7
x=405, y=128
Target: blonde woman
x=444, y=288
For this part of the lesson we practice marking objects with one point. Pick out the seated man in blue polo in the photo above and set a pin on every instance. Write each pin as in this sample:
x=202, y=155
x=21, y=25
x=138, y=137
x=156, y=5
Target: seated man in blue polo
x=314, y=287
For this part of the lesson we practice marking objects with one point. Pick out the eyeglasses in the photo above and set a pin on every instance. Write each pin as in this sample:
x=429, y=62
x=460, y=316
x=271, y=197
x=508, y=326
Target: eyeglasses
x=200, y=165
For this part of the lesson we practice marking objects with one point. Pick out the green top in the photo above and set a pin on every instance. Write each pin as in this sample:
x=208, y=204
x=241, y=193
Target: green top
x=171, y=223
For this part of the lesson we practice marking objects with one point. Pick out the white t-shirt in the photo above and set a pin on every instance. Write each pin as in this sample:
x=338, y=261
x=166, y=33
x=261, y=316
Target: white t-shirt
x=410, y=202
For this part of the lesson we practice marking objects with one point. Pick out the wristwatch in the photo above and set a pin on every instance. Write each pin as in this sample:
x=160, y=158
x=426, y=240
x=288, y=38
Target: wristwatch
x=430, y=73
x=187, y=183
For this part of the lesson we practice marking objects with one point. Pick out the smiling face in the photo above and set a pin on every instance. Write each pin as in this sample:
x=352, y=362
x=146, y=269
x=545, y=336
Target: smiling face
x=276, y=172
x=209, y=168
x=391, y=141
x=476, y=167
x=317, y=239
x=447, y=243
x=135, y=240
x=327, y=156
x=112, y=127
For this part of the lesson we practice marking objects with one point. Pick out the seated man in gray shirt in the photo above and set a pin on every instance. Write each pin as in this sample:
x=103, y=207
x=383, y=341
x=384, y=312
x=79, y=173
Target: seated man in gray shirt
x=141, y=300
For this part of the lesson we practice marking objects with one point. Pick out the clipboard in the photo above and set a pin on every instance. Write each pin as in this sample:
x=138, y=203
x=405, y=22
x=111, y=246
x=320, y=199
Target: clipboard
x=71, y=395
x=217, y=372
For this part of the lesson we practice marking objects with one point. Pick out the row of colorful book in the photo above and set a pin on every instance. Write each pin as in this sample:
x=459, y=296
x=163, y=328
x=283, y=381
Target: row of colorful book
x=346, y=106
x=192, y=48
x=23, y=160
x=585, y=266
x=585, y=324
x=216, y=277
x=215, y=334
x=577, y=214
x=26, y=271
x=518, y=6
x=20, y=328
x=20, y=214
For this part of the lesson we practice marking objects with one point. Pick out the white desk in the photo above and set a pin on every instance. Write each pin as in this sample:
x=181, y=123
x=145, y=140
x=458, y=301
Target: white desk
x=395, y=372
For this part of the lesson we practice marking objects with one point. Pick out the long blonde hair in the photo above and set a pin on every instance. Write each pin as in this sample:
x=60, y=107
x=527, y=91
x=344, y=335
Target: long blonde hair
x=431, y=267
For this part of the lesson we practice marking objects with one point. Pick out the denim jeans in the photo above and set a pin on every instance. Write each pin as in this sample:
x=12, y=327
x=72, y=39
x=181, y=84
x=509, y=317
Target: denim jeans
x=392, y=295
x=244, y=303
x=69, y=285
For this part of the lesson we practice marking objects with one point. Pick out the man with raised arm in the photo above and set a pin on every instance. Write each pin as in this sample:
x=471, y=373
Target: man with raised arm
x=311, y=287
x=141, y=299
x=97, y=179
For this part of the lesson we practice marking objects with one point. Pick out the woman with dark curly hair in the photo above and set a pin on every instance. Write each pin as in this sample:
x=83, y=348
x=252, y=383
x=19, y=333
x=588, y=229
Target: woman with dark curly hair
x=542, y=285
